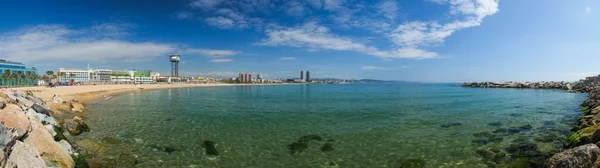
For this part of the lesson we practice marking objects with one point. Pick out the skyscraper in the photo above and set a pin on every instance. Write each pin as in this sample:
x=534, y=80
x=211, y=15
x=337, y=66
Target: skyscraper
x=307, y=76
x=302, y=75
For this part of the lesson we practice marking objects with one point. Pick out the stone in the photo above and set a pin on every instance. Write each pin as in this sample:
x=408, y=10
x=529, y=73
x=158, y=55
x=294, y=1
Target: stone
x=298, y=147
x=40, y=109
x=57, y=99
x=308, y=138
x=73, y=127
x=42, y=140
x=126, y=160
x=516, y=114
x=91, y=146
x=82, y=125
x=579, y=157
x=13, y=117
x=24, y=155
x=111, y=140
x=327, y=147
x=526, y=127
x=210, y=147
x=495, y=124
x=448, y=125
x=77, y=107
x=412, y=163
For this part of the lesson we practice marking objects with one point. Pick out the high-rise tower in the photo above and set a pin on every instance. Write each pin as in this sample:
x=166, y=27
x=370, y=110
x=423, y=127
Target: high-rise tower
x=307, y=76
x=302, y=75
x=174, y=65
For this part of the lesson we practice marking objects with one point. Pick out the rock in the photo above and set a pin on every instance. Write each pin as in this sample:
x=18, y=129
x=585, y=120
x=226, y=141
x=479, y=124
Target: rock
x=412, y=163
x=24, y=155
x=77, y=107
x=327, y=147
x=2, y=105
x=210, y=147
x=8, y=136
x=91, y=146
x=126, y=160
x=57, y=99
x=53, y=153
x=448, y=125
x=111, y=140
x=580, y=137
x=40, y=109
x=526, y=127
x=13, y=117
x=298, y=147
x=579, y=157
x=516, y=114
x=513, y=130
x=308, y=138
x=495, y=124
x=73, y=127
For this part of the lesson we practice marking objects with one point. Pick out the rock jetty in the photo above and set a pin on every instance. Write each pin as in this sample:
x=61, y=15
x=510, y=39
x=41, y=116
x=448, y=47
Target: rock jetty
x=582, y=143
x=562, y=85
x=30, y=136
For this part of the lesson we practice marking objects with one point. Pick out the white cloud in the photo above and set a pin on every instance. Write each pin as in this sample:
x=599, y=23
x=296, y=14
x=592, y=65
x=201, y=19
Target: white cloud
x=404, y=66
x=315, y=37
x=211, y=52
x=588, y=9
x=295, y=8
x=99, y=43
x=184, y=15
x=287, y=58
x=205, y=4
x=222, y=22
x=373, y=68
x=388, y=8
x=221, y=60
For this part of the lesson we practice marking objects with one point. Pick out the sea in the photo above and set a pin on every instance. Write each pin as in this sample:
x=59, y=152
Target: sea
x=330, y=126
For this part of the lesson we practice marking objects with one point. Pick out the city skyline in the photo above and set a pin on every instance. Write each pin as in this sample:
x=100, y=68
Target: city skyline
x=421, y=41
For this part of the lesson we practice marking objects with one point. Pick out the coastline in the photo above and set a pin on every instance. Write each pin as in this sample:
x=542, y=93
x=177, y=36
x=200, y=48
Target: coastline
x=91, y=93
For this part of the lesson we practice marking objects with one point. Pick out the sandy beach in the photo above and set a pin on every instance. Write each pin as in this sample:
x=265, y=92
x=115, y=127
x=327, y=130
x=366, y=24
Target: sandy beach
x=88, y=93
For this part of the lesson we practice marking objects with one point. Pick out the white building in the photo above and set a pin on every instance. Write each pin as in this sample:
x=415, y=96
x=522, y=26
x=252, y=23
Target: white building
x=77, y=75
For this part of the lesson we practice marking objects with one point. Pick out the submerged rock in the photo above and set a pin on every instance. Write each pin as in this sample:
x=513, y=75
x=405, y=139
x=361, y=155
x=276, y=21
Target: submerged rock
x=73, y=127
x=298, y=147
x=210, y=147
x=412, y=163
x=111, y=140
x=578, y=157
x=448, y=125
x=126, y=160
x=495, y=124
x=516, y=114
x=526, y=127
x=327, y=147
x=308, y=138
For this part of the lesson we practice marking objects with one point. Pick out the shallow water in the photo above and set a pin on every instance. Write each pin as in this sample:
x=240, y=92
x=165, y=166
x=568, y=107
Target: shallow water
x=370, y=125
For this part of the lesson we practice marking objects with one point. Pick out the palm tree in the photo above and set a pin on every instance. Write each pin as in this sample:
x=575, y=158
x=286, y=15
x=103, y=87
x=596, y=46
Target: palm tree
x=45, y=78
x=13, y=77
x=5, y=77
x=29, y=77
x=62, y=74
x=50, y=75
x=20, y=77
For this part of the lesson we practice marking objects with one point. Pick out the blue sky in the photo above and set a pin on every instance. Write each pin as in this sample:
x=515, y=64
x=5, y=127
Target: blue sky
x=413, y=40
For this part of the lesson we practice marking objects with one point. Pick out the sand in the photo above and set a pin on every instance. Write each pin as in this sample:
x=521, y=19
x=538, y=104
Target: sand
x=89, y=93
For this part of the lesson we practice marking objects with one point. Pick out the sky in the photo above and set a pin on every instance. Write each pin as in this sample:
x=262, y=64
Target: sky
x=408, y=40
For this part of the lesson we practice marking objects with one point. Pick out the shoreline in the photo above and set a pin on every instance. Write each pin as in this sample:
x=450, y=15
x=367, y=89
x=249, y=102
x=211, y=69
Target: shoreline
x=91, y=93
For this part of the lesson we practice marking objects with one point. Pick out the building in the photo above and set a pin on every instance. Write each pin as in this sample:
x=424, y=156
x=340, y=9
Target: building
x=16, y=74
x=73, y=75
x=302, y=75
x=307, y=76
x=245, y=78
x=100, y=76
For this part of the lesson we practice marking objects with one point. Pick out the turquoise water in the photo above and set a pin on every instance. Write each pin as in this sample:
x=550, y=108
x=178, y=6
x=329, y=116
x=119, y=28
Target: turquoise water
x=372, y=125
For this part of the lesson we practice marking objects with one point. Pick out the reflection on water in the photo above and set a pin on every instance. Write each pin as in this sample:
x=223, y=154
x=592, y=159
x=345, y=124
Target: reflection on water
x=356, y=126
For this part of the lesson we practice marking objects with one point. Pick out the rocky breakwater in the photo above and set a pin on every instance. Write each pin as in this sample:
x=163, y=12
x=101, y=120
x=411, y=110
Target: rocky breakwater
x=31, y=136
x=581, y=147
x=573, y=86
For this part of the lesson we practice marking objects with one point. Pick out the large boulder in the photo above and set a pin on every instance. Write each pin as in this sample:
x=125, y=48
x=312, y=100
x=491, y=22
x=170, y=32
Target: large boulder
x=23, y=155
x=51, y=151
x=57, y=99
x=579, y=157
x=77, y=107
x=13, y=117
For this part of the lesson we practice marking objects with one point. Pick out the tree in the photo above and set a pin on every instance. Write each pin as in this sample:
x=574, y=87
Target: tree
x=61, y=74
x=6, y=77
x=20, y=77
x=50, y=75
x=45, y=78
x=13, y=77
x=29, y=78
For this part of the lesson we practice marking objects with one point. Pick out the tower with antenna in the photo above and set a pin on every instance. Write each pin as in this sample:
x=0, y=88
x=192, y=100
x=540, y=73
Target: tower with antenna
x=174, y=65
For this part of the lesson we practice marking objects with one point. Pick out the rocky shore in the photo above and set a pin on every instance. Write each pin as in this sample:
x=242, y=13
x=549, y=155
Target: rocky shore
x=571, y=86
x=31, y=136
x=581, y=147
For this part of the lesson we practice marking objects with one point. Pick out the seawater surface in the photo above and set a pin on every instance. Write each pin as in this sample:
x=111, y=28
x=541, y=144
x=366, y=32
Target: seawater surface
x=371, y=125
